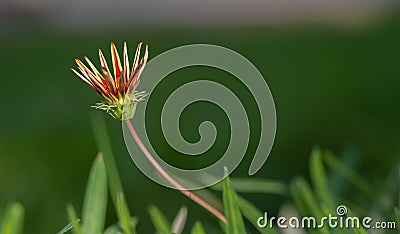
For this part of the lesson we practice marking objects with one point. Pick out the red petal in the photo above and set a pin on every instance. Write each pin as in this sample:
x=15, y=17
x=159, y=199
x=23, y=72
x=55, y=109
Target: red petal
x=107, y=74
x=116, y=64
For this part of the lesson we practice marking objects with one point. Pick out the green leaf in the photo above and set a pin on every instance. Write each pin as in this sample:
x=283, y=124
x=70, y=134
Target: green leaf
x=104, y=145
x=306, y=201
x=198, y=228
x=319, y=179
x=361, y=229
x=95, y=202
x=397, y=218
x=76, y=227
x=250, y=185
x=117, y=228
x=252, y=214
x=350, y=175
x=124, y=218
x=114, y=181
x=234, y=218
x=160, y=222
x=223, y=226
x=179, y=222
x=13, y=220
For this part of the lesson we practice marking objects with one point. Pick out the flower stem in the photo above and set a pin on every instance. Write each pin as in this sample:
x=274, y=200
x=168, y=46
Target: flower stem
x=171, y=180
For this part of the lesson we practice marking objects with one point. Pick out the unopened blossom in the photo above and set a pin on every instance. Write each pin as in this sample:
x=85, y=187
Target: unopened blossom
x=117, y=88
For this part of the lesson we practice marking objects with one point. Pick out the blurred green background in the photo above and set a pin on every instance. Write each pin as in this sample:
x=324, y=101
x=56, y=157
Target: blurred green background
x=335, y=86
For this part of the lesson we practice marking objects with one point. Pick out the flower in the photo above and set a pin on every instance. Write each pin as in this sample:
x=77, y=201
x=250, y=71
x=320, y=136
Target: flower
x=119, y=88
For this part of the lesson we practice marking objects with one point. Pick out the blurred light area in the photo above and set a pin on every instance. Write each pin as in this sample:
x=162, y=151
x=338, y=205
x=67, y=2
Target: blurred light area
x=100, y=13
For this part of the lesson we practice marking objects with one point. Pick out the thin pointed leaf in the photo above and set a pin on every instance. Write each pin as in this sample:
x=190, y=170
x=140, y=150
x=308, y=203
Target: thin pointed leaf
x=302, y=191
x=13, y=220
x=319, y=179
x=350, y=175
x=159, y=221
x=198, y=228
x=180, y=219
x=224, y=227
x=234, y=218
x=252, y=214
x=103, y=143
x=250, y=185
x=397, y=218
x=306, y=201
x=117, y=228
x=76, y=227
x=124, y=218
x=359, y=230
x=95, y=203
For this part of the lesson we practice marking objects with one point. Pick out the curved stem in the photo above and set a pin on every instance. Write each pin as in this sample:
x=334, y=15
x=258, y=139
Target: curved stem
x=171, y=180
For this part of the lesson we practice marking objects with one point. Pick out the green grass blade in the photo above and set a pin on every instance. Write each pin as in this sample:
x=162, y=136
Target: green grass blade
x=180, y=220
x=397, y=218
x=234, y=218
x=319, y=179
x=13, y=220
x=306, y=201
x=124, y=217
x=103, y=143
x=76, y=227
x=114, y=181
x=251, y=185
x=95, y=202
x=359, y=230
x=350, y=175
x=252, y=214
x=198, y=228
x=118, y=229
x=223, y=227
x=160, y=222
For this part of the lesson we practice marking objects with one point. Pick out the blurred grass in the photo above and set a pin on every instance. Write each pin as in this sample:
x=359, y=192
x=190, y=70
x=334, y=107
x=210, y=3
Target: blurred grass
x=73, y=218
x=95, y=203
x=312, y=204
x=161, y=224
x=234, y=224
x=116, y=191
x=198, y=228
x=333, y=87
x=13, y=220
x=252, y=214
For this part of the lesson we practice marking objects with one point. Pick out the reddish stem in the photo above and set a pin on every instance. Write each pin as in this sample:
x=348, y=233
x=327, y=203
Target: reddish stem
x=171, y=180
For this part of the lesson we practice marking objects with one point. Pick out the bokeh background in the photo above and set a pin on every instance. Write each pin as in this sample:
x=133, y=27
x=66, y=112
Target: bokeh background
x=332, y=67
